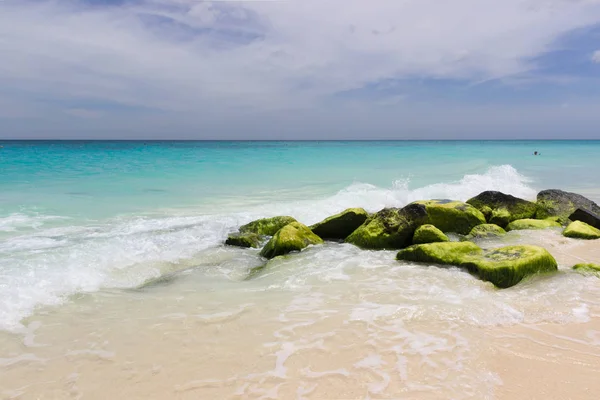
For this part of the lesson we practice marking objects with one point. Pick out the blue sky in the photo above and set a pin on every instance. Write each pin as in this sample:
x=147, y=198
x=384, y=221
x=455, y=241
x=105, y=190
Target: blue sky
x=304, y=69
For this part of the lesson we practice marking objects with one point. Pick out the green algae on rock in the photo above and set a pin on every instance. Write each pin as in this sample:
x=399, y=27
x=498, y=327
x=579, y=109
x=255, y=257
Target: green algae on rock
x=581, y=230
x=501, y=209
x=485, y=231
x=429, y=234
x=586, y=216
x=452, y=216
x=587, y=267
x=292, y=237
x=243, y=240
x=447, y=253
x=267, y=226
x=504, y=267
x=561, y=204
x=341, y=225
x=532, y=224
x=390, y=228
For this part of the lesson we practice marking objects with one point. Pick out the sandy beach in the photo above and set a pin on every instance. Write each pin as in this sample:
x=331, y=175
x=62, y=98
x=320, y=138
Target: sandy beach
x=321, y=339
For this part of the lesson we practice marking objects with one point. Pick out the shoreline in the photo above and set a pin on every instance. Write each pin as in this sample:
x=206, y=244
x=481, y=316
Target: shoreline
x=294, y=334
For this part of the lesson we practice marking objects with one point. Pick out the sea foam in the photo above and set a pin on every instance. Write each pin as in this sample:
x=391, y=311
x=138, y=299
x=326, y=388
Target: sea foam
x=43, y=264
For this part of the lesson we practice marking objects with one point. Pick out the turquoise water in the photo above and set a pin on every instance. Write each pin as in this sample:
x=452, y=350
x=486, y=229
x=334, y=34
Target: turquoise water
x=82, y=216
x=103, y=179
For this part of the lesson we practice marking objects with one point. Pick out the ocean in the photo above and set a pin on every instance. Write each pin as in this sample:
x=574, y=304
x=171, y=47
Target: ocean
x=111, y=253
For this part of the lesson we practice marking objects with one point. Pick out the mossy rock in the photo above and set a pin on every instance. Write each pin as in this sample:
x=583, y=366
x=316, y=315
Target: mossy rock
x=532, y=224
x=587, y=267
x=243, y=240
x=501, y=209
x=586, y=216
x=581, y=230
x=390, y=228
x=292, y=237
x=340, y=226
x=429, y=234
x=267, y=226
x=452, y=216
x=485, y=231
x=504, y=267
x=447, y=253
x=561, y=204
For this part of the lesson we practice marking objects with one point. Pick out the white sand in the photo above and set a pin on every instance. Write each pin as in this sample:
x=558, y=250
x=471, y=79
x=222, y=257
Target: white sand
x=366, y=329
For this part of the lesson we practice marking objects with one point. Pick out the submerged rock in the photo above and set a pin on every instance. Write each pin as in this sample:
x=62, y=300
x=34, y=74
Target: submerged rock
x=587, y=267
x=452, y=216
x=501, y=209
x=292, y=237
x=581, y=230
x=532, y=224
x=486, y=231
x=243, y=240
x=504, y=267
x=429, y=234
x=267, y=226
x=390, y=228
x=561, y=204
x=341, y=225
x=586, y=216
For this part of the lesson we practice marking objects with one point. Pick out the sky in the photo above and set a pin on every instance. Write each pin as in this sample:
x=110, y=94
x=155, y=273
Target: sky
x=300, y=69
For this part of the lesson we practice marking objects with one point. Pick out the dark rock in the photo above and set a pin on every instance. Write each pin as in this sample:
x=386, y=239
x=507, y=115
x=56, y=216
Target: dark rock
x=340, y=226
x=561, y=204
x=588, y=217
x=501, y=209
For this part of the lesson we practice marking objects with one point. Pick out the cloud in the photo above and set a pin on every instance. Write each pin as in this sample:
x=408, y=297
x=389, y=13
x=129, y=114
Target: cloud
x=251, y=57
x=596, y=56
x=83, y=113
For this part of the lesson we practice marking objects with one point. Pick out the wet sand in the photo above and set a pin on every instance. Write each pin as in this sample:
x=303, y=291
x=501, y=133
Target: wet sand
x=362, y=327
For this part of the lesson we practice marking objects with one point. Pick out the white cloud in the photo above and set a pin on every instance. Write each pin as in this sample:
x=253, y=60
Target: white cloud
x=596, y=56
x=206, y=57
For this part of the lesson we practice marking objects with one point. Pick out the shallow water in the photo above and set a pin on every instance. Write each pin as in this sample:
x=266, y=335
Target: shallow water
x=114, y=281
x=330, y=322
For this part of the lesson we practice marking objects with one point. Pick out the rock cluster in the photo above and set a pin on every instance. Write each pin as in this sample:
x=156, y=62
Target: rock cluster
x=419, y=231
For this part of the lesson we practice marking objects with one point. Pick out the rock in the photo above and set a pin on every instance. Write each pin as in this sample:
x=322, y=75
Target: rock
x=587, y=217
x=429, y=234
x=393, y=228
x=587, y=267
x=581, y=230
x=390, y=228
x=292, y=237
x=452, y=216
x=243, y=240
x=532, y=224
x=267, y=226
x=504, y=267
x=448, y=253
x=341, y=225
x=501, y=209
x=557, y=203
x=485, y=231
